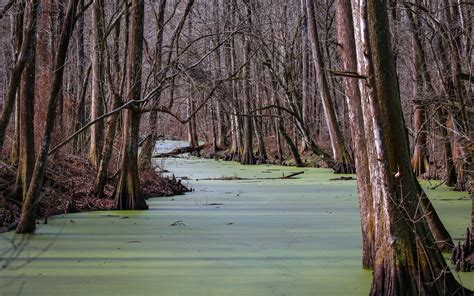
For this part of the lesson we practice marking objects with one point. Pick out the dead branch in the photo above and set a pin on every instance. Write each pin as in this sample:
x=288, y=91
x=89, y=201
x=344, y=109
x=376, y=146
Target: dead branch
x=180, y=150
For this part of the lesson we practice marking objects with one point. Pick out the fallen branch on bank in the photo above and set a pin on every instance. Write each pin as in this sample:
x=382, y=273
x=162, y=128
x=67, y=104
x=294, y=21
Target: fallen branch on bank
x=180, y=150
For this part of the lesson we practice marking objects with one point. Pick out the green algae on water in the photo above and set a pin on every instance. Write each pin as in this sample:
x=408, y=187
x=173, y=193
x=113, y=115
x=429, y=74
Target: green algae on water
x=240, y=237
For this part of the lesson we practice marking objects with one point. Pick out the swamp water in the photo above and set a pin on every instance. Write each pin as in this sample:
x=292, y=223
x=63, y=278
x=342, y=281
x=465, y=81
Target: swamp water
x=229, y=237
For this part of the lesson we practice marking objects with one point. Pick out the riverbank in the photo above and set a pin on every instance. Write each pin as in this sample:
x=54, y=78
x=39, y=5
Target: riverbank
x=69, y=188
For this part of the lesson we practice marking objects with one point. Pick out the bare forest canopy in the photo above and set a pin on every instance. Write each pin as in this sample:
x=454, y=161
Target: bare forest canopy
x=384, y=88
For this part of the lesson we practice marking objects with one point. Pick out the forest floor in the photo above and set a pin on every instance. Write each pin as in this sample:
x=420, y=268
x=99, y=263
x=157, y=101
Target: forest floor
x=69, y=188
x=242, y=231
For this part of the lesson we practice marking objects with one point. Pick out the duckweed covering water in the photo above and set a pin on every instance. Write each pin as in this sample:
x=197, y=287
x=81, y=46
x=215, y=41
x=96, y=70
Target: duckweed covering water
x=235, y=237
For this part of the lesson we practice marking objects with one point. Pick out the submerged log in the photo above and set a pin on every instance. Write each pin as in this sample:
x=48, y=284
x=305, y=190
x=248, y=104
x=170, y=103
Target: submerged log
x=180, y=150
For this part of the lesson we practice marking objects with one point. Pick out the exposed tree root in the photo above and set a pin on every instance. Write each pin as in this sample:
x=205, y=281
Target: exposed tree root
x=463, y=254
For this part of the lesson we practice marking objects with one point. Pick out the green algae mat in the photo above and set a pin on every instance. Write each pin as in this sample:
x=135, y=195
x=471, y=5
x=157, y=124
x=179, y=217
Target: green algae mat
x=253, y=236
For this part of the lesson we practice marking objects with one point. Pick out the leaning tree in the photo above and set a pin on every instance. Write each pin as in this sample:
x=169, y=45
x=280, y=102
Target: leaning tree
x=406, y=259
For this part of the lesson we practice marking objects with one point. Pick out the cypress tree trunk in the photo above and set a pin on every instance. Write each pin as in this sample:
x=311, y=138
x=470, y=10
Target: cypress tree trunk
x=127, y=192
x=341, y=155
x=406, y=260
x=348, y=53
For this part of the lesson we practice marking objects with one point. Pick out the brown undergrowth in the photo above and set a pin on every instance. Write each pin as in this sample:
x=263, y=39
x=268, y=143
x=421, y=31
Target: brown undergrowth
x=69, y=188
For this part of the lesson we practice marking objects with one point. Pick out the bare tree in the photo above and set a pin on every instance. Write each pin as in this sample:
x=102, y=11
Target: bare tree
x=127, y=192
x=27, y=224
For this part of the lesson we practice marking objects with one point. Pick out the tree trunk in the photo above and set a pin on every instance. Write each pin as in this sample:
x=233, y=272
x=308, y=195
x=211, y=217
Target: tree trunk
x=348, y=53
x=15, y=78
x=229, y=61
x=26, y=108
x=221, y=129
x=17, y=37
x=461, y=121
x=192, y=133
x=97, y=86
x=127, y=192
x=27, y=224
x=304, y=67
x=450, y=171
x=257, y=122
x=247, y=155
x=340, y=153
x=101, y=177
x=113, y=121
x=16, y=134
x=148, y=146
x=406, y=260
x=419, y=160
x=262, y=151
x=82, y=83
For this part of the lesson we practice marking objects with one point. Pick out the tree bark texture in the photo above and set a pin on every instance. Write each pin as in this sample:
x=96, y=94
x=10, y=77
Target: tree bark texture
x=340, y=152
x=97, y=86
x=247, y=156
x=26, y=223
x=26, y=104
x=148, y=146
x=348, y=53
x=127, y=191
x=15, y=78
x=406, y=259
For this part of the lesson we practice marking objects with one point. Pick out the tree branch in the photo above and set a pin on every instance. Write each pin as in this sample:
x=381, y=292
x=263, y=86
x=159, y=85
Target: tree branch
x=6, y=8
x=345, y=73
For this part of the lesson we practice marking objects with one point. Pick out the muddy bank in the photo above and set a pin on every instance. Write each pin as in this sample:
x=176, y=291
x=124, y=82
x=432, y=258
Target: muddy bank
x=69, y=188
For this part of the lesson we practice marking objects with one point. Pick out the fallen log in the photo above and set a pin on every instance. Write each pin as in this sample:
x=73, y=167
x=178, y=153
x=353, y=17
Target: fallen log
x=292, y=175
x=180, y=150
x=231, y=178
